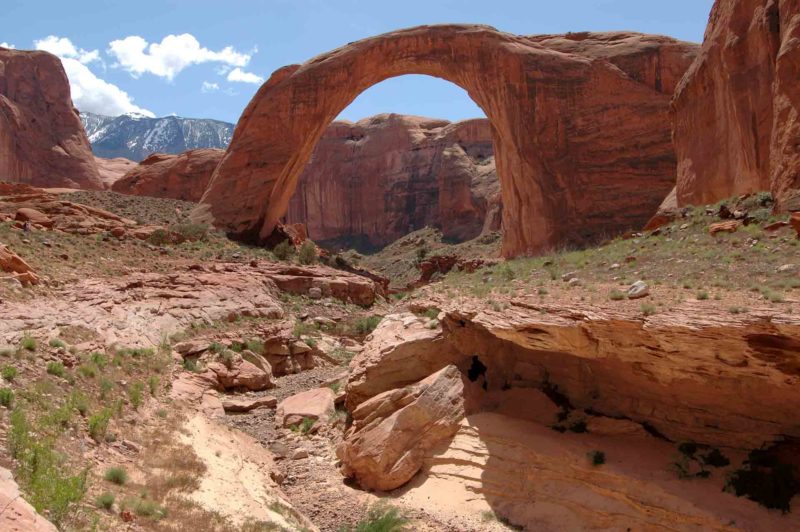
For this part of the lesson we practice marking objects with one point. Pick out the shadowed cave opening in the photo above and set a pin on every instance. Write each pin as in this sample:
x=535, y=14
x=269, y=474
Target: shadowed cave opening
x=423, y=166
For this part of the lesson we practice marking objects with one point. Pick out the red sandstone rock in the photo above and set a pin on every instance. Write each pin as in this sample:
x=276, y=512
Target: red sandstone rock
x=731, y=226
x=13, y=263
x=16, y=515
x=112, y=170
x=33, y=216
x=376, y=180
x=42, y=140
x=735, y=112
x=316, y=404
x=795, y=222
x=184, y=176
x=582, y=146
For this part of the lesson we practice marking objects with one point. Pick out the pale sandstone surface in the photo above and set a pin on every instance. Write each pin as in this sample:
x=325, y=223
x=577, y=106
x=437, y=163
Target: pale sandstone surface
x=16, y=515
x=112, y=170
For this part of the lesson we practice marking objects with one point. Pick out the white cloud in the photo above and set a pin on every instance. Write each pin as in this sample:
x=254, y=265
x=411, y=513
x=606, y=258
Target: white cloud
x=237, y=74
x=63, y=47
x=89, y=93
x=6, y=45
x=169, y=57
x=209, y=87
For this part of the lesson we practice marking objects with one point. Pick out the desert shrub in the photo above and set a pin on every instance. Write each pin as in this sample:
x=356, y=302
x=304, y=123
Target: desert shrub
x=380, y=518
x=57, y=343
x=106, y=385
x=159, y=237
x=79, y=401
x=616, y=295
x=597, y=458
x=105, y=501
x=191, y=232
x=367, y=324
x=190, y=364
x=28, y=342
x=98, y=424
x=307, y=253
x=98, y=359
x=56, y=368
x=135, y=394
x=6, y=397
x=87, y=370
x=766, y=481
x=283, y=251
x=152, y=384
x=135, y=352
x=9, y=373
x=48, y=484
x=648, y=309
x=116, y=475
x=702, y=295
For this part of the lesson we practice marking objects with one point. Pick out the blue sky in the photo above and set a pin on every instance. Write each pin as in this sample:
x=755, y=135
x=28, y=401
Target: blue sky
x=206, y=59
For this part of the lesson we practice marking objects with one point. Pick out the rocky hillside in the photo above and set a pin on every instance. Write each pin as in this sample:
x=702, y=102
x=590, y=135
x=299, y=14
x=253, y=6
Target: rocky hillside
x=369, y=183
x=135, y=136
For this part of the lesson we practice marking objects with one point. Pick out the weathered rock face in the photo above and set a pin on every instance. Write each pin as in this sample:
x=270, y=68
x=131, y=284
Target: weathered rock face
x=42, y=141
x=393, y=432
x=374, y=181
x=184, y=176
x=735, y=112
x=112, y=170
x=17, y=514
x=582, y=144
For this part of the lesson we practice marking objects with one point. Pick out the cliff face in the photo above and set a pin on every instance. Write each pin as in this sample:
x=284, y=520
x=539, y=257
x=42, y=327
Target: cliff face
x=374, y=181
x=735, y=113
x=42, y=141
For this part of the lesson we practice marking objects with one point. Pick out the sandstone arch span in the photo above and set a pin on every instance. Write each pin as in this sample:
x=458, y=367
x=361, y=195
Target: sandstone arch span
x=579, y=122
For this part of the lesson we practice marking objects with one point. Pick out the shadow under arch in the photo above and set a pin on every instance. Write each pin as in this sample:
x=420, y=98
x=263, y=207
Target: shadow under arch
x=577, y=138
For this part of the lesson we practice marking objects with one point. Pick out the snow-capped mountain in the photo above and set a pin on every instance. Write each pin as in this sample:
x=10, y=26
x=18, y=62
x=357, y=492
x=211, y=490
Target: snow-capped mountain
x=135, y=136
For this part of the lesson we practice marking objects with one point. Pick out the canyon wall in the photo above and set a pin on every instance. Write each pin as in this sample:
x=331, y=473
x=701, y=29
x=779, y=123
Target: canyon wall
x=374, y=181
x=735, y=112
x=42, y=141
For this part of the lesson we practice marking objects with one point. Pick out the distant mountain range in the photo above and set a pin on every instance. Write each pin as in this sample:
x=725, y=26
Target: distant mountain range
x=135, y=136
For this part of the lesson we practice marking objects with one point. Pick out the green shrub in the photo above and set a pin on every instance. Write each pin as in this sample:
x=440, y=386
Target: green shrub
x=702, y=295
x=308, y=253
x=597, y=458
x=48, y=484
x=191, y=232
x=152, y=383
x=190, y=364
x=9, y=373
x=99, y=360
x=56, y=368
x=98, y=424
x=283, y=251
x=616, y=295
x=380, y=518
x=87, y=370
x=28, y=342
x=146, y=508
x=79, y=401
x=106, y=385
x=135, y=394
x=307, y=424
x=159, y=237
x=116, y=475
x=648, y=309
x=367, y=324
x=57, y=343
x=6, y=397
x=105, y=501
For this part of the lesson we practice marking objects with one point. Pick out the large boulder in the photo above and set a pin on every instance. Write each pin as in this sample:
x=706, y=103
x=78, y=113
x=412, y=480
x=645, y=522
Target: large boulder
x=316, y=404
x=112, y=170
x=379, y=178
x=42, y=141
x=183, y=177
x=735, y=112
x=403, y=349
x=12, y=263
x=393, y=432
x=581, y=137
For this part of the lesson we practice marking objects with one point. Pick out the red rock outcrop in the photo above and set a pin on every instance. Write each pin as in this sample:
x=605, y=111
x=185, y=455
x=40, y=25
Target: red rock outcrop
x=374, y=181
x=735, y=112
x=183, y=176
x=17, y=514
x=582, y=143
x=112, y=170
x=42, y=140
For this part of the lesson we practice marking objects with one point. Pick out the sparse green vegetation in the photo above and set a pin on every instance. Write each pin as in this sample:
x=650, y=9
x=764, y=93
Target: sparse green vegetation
x=6, y=397
x=648, y=309
x=380, y=518
x=116, y=475
x=135, y=394
x=105, y=501
x=702, y=295
x=597, y=458
x=367, y=324
x=283, y=251
x=98, y=424
x=28, y=342
x=307, y=253
x=9, y=373
x=616, y=295
x=57, y=343
x=56, y=368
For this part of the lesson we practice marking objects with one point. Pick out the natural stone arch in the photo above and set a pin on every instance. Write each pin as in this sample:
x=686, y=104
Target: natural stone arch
x=581, y=135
